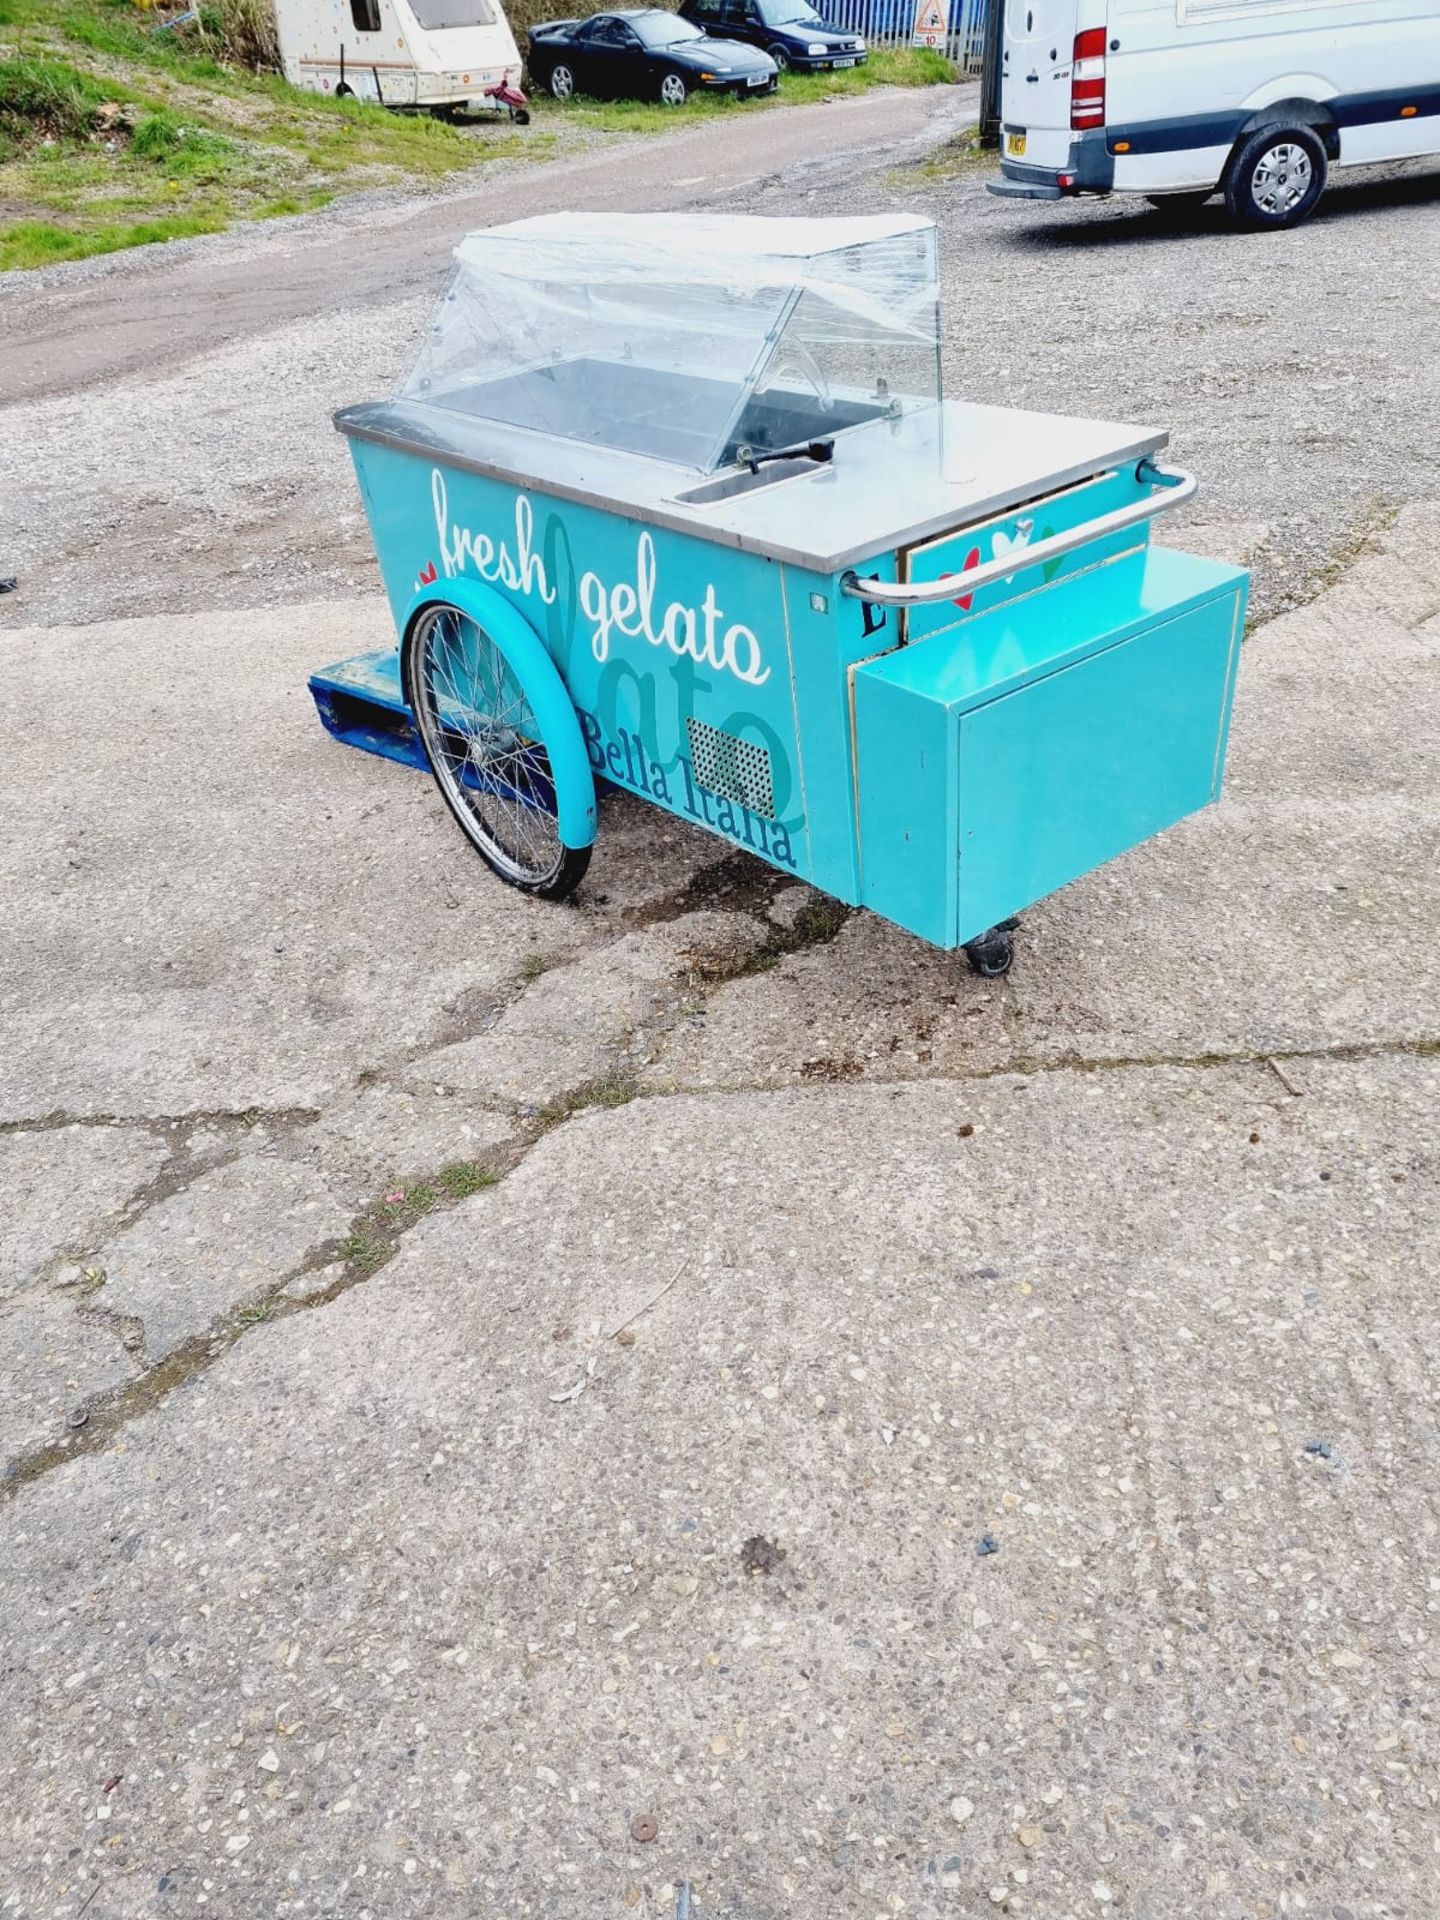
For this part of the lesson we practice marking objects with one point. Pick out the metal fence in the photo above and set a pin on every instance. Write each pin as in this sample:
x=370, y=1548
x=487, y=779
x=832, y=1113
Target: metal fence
x=890, y=23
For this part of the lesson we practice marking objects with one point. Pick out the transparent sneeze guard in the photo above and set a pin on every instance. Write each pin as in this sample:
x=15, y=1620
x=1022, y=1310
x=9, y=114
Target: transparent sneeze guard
x=709, y=343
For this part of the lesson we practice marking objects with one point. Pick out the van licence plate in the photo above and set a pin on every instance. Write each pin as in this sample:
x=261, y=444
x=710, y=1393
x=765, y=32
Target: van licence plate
x=1015, y=145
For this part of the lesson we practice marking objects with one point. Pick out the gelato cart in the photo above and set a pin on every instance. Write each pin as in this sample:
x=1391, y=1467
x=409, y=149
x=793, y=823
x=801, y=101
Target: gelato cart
x=675, y=504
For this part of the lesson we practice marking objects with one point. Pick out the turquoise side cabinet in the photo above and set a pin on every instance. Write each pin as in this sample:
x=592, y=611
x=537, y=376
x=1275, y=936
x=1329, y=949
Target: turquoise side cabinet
x=1017, y=750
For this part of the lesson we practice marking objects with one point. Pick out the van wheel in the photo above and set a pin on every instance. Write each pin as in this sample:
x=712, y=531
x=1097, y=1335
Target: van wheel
x=1276, y=177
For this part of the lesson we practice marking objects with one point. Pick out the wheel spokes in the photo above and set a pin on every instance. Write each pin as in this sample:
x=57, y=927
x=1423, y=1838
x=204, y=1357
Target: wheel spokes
x=485, y=745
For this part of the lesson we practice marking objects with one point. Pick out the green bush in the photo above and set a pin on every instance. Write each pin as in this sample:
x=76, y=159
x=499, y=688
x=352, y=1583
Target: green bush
x=45, y=99
x=162, y=136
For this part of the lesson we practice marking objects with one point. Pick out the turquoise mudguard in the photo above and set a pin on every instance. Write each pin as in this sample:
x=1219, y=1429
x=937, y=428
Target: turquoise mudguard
x=544, y=689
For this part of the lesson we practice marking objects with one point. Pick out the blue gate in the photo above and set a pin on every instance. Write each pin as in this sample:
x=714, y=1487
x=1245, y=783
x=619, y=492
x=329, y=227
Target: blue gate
x=888, y=24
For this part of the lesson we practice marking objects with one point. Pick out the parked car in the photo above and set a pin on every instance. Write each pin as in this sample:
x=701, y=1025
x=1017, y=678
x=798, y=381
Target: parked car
x=790, y=31
x=1255, y=99
x=645, y=53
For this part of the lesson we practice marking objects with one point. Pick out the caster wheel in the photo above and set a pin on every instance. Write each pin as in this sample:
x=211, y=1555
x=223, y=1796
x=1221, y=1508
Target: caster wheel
x=992, y=954
x=521, y=116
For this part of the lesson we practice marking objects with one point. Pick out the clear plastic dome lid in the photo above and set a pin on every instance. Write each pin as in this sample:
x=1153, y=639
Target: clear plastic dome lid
x=693, y=339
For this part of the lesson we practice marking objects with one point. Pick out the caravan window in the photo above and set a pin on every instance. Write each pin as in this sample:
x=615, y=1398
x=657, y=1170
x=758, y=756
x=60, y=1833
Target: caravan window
x=436, y=14
x=366, y=15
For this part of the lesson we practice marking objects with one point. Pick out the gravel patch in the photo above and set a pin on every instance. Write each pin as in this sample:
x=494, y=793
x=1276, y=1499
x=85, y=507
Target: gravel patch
x=1307, y=411
x=1299, y=404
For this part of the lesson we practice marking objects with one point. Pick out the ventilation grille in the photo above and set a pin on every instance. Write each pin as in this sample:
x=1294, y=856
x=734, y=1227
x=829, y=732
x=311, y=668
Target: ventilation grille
x=735, y=769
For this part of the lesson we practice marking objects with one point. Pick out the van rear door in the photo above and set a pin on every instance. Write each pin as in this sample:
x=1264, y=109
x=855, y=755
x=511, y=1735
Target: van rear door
x=1035, y=80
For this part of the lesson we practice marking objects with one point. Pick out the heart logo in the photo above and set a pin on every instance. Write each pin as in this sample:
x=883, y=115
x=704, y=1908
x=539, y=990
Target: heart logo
x=965, y=600
x=1006, y=543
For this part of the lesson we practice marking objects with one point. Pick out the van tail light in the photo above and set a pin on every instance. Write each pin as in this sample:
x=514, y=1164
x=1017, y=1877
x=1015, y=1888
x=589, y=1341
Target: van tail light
x=1087, y=79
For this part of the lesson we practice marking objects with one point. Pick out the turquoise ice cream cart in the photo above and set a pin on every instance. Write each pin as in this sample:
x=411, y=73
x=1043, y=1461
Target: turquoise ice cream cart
x=675, y=504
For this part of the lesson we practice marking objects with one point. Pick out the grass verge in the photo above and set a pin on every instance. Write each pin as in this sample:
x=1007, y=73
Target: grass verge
x=911, y=67
x=117, y=131
x=116, y=134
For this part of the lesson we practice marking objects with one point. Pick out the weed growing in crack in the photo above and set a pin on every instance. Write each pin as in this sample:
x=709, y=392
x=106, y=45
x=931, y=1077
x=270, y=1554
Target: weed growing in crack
x=467, y=1177
x=363, y=1250
x=614, y=1089
x=376, y=1233
x=531, y=968
x=253, y=1316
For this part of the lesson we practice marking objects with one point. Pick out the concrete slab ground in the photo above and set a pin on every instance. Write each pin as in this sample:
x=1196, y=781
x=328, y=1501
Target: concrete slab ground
x=1297, y=917
x=480, y=1376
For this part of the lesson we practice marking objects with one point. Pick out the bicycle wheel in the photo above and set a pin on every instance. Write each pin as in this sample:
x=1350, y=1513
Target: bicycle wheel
x=486, y=752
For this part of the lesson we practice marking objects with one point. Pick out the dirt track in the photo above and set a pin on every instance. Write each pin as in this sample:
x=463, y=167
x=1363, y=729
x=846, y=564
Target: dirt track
x=68, y=329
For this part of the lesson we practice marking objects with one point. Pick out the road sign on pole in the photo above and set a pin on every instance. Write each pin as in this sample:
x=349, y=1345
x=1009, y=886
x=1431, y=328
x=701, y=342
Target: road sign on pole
x=931, y=25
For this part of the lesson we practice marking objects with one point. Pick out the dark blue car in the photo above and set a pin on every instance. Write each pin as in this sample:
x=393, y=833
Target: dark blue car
x=790, y=31
x=642, y=53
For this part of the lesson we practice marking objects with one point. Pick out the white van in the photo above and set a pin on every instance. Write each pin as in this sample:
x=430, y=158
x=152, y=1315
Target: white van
x=1179, y=99
x=403, y=53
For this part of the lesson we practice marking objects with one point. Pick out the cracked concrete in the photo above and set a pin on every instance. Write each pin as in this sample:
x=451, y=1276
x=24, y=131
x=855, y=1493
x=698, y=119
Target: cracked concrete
x=400, y=1579
x=382, y=1135
x=199, y=1253
x=63, y=1185
x=484, y=1628
x=56, y=1357
x=592, y=1016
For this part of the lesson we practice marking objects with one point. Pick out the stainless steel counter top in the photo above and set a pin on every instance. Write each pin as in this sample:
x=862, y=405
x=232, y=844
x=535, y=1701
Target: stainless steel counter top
x=890, y=483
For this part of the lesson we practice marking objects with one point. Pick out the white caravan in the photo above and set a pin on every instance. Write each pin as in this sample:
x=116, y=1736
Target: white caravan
x=1257, y=99
x=403, y=53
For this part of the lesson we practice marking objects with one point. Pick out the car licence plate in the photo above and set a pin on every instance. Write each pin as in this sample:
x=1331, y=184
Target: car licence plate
x=843, y=63
x=1015, y=145
x=757, y=79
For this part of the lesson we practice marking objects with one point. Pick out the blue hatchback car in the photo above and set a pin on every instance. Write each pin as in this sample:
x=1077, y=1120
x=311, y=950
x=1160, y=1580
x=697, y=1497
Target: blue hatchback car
x=790, y=31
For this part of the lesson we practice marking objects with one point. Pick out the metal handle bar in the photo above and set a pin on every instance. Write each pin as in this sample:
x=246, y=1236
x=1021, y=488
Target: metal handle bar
x=1173, y=485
